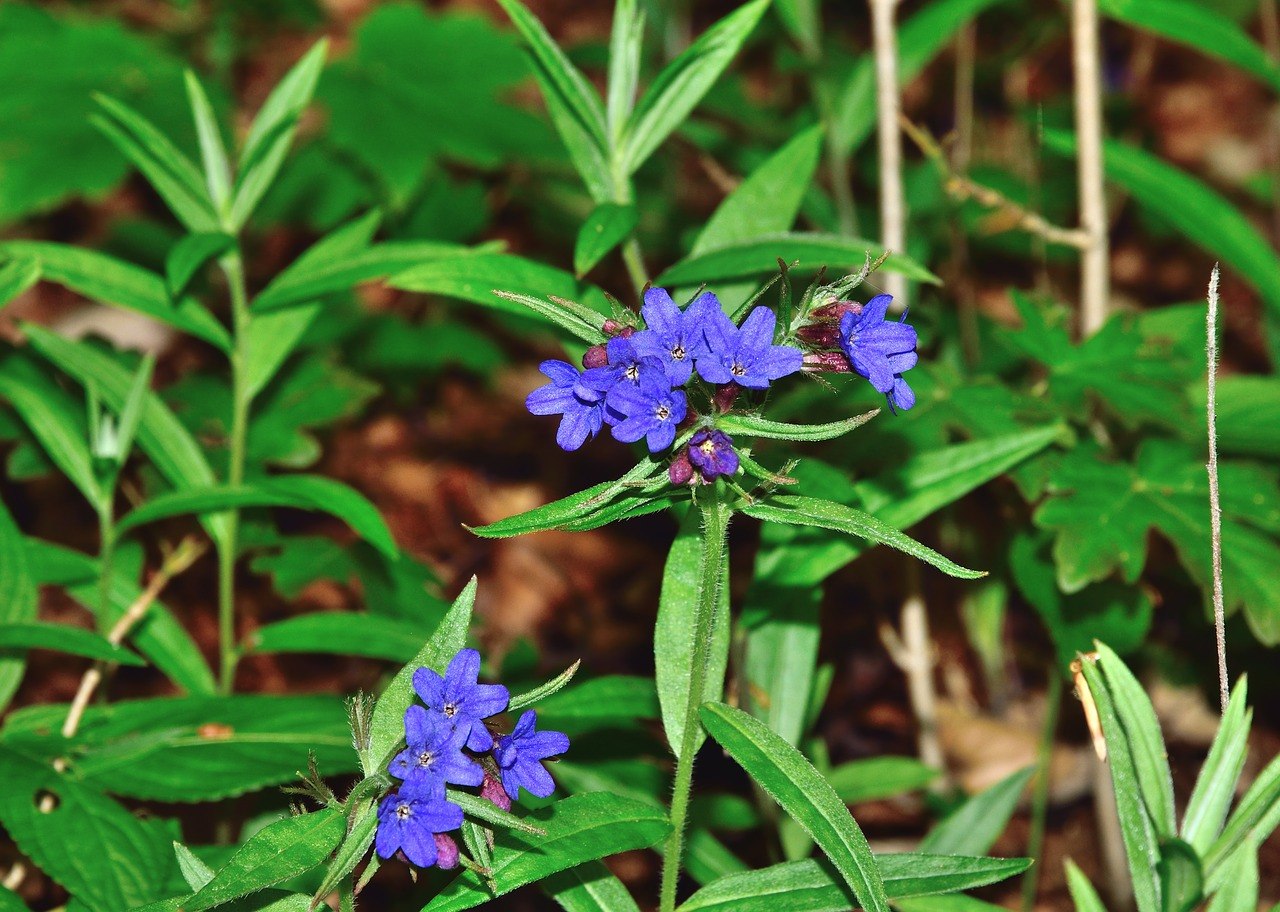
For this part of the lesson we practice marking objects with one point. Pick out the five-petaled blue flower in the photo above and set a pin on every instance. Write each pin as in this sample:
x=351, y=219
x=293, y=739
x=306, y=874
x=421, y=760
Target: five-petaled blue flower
x=520, y=755
x=434, y=753
x=456, y=699
x=881, y=350
x=674, y=337
x=745, y=354
x=625, y=368
x=582, y=408
x=409, y=819
x=712, y=453
x=650, y=409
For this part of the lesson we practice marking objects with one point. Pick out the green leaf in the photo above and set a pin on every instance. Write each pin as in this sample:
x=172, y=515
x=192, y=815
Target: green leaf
x=16, y=276
x=1249, y=415
x=189, y=255
x=104, y=856
x=973, y=828
x=605, y=228
x=920, y=39
x=1142, y=729
x=271, y=134
x=10, y=902
x=673, y=645
x=768, y=199
x=557, y=76
x=490, y=813
x=213, y=154
x=626, y=40
x=1083, y=894
x=754, y=426
x=361, y=827
x=1199, y=27
x=18, y=599
x=880, y=777
x=580, y=828
x=825, y=514
x=54, y=419
x=800, y=790
x=169, y=171
x=1181, y=880
x=568, y=510
x=194, y=871
x=813, y=886
x=1101, y=513
x=1254, y=819
x=1196, y=211
x=183, y=749
x=758, y=256
x=572, y=318
x=1141, y=848
x=683, y=82
x=387, y=728
x=329, y=271
x=302, y=492
x=1216, y=784
x=524, y=700
x=1239, y=890
x=275, y=853
x=104, y=278
x=588, y=887
x=601, y=703
x=61, y=638
x=390, y=638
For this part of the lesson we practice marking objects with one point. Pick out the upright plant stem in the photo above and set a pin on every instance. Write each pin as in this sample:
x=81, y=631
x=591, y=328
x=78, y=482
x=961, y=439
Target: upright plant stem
x=233, y=267
x=1215, y=503
x=106, y=554
x=715, y=527
x=893, y=214
x=1040, y=796
x=1094, y=279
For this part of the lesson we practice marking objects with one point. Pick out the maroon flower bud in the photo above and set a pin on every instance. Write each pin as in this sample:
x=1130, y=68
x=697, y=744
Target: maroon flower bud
x=826, y=363
x=820, y=335
x=446, y=852
x=626, y=332
x=595, y=356
x=492, y=789
x=836, y=310
x=681, y=469
x=725, y=396
x=611, y=326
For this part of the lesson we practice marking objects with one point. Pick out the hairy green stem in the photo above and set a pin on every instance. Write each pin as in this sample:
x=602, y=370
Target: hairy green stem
x=106, y=555
x=715, y=548
x=233, y=267
x=1040, y=795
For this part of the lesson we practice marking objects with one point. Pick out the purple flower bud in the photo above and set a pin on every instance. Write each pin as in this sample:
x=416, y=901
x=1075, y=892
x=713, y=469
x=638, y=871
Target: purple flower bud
x=820, y=335
x=713, y=454
x=595, y=356
x=725, y=396
x=446, y=852
x=681, y=469
x=836, y=311
x=492, y=789
x=828, y=362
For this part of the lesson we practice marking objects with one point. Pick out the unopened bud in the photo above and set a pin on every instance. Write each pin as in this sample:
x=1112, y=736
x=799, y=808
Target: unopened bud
x=836, y=310
x=446, y=852
x=820, y=335
x=492, y=789
x=725, y=396
x=681, y=469
x=595, y=356
x=829, y=362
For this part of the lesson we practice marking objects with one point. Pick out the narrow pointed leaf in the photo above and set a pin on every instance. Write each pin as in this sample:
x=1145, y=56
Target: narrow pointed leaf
x=605, y=228
x=754, y=426
x=973, y=828
x=54, y=420
x=74, y=641
x=589, y=887
x=189, y=255
x=758, y=256
x=1216, y=785
x=18, y=599
x=521, y=701
x=213, y=154
x=1083, y=894
x=16, y=276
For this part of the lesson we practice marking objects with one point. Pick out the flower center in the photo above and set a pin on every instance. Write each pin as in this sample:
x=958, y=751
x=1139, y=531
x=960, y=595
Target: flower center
x=737, y=370
x=403, y=811
x=450, y=710
x=632, y=371
x=708, y=448
x=663, y=413
x=426, y=758
x=677, y=352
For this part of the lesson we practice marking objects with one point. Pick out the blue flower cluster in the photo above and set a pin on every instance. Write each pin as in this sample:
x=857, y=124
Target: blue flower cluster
x=448, y=742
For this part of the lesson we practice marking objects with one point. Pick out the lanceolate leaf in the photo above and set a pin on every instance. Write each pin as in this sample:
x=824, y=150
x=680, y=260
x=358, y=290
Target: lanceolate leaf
x=1254, y=819
x=274, y=854
x=755, y=426
x=815, y=886
x=105, y=278
x=189, y=255
x=16, y=276
x=186, y=749
x=588, y=887
x=759, y=256
x=303, y=492
x=387, y=728
x=879, y=777
x=362, y=825
x=606, y=228
x=974, y=827
x=791, y=780
x=825, y=514
x=1083, y=894
x=1216, y=784
x=381, y=637
x=17, y=637
x=578, y=829
x=104, y=856
x=213, y=154
x=18, y=599
x=520, y=701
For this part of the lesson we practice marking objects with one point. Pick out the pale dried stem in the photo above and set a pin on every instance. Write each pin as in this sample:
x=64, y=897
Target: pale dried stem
x=912, y=652
x=893, y=211
x=14, y=878
x=1215, y=504
x=1094, y=275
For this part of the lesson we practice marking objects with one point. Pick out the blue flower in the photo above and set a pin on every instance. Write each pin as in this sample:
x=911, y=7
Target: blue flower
x=880, y=350
x=625, y=368
x=746, y=355
x=520, y=755
x=408, y=821
x=712, y=453
x=457, y=700
x=582, y=408
x=650, y=409
x=674, y=337
x=434, y=754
